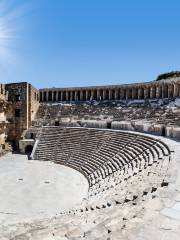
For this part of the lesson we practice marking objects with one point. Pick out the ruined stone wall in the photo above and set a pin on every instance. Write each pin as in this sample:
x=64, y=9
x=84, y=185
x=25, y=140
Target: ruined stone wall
x=33, y=103
x=2, y=92
x=151, y=90
x=17, y=114
x=3, y=120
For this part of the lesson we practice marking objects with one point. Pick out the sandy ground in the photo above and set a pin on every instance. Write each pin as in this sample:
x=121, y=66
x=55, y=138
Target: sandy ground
x=34, y=189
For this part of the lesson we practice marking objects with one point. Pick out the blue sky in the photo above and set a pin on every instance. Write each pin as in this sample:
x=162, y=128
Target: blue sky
x=88, y=42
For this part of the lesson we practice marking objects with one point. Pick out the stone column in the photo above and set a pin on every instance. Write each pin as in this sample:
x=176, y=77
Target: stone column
x=154, y=92
x=116, y=94
x=139, y=93
x=169, y=91
x=92, y=94
x=66, y=96
x=110, y=94
x=104, y=95
x=98, y=94
x=81, y=95
x=71, y=96
x=162, y=91
x=176, y=90
x=87, y=95
x=157, y=92
x=133, y=93
x=47, y=96
x=61, y=96
x=127, y=94
x=76, y=96
x=151, y=92
x=52, y=97
x=145, y=93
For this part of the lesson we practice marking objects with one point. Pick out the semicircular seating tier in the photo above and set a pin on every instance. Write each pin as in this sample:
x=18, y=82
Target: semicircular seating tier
x=99, y=154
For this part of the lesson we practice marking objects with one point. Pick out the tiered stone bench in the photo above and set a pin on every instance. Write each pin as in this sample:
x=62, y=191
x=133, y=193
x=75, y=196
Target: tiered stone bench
x=100, y=154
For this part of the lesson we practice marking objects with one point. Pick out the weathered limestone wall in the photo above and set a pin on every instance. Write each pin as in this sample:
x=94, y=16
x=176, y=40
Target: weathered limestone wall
x=18, y=96
x=122, y=125
x=173, y=132
x=33, y=102
x=148, y=127
x=3, y=121
x=24, y=101
x=3, y=95
x=94, y=124
x=151, y=90
x=24, y=143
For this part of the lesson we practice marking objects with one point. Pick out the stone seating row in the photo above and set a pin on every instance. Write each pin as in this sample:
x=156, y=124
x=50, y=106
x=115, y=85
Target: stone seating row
x=157, y=115
x=98, y=154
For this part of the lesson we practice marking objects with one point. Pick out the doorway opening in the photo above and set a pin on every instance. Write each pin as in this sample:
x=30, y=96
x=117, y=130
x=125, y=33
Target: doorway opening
x=28, y=149
x=163, y=131
x=109, y=125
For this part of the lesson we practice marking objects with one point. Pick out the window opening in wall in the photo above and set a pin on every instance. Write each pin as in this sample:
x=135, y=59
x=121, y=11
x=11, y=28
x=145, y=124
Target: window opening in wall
x=17, y=112
x=32, y=135
x=17, y=97
x=56, y=123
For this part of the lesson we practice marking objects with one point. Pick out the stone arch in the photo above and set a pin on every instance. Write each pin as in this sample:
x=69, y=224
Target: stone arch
x=45, y=97
x=59, y=96
x=124, y=93
x=50, y=96
x=88, y=95
x=64, y=96
x=95, y=94
x=165, y=91
x=107, y=94
x=163, y=131
x=113, y=94
x=130, y=93
x=84, y=95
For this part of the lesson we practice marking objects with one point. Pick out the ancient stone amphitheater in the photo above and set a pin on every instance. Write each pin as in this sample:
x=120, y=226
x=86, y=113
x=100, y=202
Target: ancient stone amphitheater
x=93, y=167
